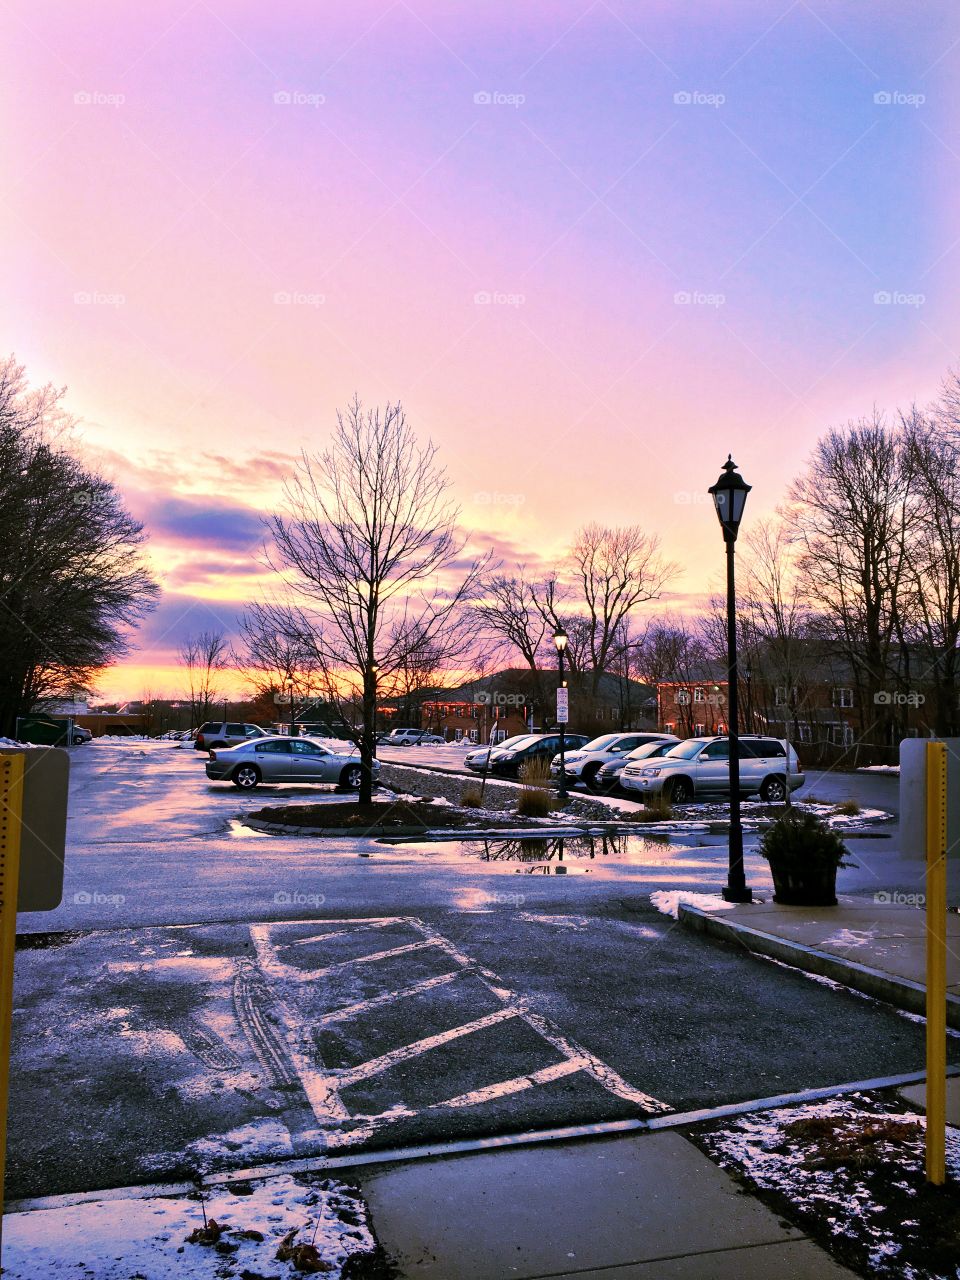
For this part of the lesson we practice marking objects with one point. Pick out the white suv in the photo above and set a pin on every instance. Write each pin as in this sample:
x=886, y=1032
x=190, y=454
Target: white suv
x=582, y=764
x=701, y=766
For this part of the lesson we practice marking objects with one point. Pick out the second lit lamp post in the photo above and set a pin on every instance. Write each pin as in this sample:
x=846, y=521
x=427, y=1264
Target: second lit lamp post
x=560, y=640
x=729, y=497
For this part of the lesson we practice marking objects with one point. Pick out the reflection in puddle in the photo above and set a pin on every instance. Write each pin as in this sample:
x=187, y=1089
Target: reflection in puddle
x=555, y=855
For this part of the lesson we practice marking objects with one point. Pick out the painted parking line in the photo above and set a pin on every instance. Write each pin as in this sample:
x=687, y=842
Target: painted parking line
x=325, y=1086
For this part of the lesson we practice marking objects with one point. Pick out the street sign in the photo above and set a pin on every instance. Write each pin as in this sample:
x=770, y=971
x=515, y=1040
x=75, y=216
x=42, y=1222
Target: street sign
x=282, y=699
x=563, y=706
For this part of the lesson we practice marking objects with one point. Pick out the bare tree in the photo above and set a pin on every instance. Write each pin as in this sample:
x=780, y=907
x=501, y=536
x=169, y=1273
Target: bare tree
x=933, y=552
x=508, y=611
x=851, y=510
x=673, y=651
x=203, y=657
x=368, y=534
x=277, y=651
x=617, y=570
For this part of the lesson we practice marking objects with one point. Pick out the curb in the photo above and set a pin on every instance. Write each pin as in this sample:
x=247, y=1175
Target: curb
x=902, y=993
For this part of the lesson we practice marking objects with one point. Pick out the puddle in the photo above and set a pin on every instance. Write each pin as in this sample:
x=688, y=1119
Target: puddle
x=552, y=854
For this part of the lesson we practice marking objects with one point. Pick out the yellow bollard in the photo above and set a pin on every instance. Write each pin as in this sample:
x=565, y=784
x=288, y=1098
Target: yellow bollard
x=936, y=961
x=11, y=818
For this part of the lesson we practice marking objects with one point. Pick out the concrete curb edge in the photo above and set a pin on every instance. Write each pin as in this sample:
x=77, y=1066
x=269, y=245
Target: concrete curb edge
x=902, y=993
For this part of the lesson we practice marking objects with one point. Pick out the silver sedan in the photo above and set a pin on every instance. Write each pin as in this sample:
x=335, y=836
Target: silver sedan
x=280, y=759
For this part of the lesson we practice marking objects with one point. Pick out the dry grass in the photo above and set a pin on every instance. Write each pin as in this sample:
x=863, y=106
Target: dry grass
x=850, y=808
x=470, y=796
x=656, y=809
x=836, y=1141
x=535, y=800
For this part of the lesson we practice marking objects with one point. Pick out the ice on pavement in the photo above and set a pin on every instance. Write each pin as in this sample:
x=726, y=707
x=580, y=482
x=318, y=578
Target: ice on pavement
x=668, y=901
x=117, y=1239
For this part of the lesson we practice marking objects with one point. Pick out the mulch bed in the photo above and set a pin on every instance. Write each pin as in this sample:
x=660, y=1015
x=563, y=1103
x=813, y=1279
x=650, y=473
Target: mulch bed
x=350, y=815
x=850, y=1172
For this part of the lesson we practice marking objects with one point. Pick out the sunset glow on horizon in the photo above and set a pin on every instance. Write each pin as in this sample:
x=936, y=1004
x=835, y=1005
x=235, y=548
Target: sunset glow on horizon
x=592, y=249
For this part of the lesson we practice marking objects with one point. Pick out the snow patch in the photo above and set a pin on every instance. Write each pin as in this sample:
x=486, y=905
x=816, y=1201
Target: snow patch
x=117, y=1239
x=668, y=901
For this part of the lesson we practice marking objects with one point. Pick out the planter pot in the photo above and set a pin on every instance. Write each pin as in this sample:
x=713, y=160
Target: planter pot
x=804, y=887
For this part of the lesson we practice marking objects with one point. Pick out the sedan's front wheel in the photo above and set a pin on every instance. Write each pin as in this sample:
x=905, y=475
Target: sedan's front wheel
x=246, y=777
x=351, y=777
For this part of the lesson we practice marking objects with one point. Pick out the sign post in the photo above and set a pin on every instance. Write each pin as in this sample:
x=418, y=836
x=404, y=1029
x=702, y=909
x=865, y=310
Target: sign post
x=936, y=850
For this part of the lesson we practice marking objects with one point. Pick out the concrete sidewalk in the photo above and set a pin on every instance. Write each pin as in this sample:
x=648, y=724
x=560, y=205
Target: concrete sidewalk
x=874, y=947
x=642, y=1207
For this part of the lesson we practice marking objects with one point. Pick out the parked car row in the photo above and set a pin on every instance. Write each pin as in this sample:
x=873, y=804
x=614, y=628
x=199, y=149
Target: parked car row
x=701, y=766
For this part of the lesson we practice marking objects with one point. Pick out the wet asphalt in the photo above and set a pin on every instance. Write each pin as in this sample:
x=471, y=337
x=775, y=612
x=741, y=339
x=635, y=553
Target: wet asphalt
x=208, y=999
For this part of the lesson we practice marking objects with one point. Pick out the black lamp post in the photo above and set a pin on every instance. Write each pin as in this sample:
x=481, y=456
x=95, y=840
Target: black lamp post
x=729, y=497
x=560, y=640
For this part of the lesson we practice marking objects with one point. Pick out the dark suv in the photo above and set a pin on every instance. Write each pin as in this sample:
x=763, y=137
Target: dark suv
x=537, y=746
x=225, y=733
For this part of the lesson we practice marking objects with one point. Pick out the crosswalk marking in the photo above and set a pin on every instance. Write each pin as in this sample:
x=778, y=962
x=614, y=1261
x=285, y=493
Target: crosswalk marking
x=324, y=1087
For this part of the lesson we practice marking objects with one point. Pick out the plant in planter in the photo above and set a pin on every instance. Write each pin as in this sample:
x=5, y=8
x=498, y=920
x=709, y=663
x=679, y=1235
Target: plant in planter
x=804, y=854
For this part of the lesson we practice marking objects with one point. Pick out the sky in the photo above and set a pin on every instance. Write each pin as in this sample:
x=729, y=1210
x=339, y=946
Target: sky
x=591, y=247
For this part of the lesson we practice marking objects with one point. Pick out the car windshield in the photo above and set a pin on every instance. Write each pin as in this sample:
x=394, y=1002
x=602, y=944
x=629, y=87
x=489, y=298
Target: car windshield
x=601, y=743
x=523, y=741
x=685, y=750
x=648, y=749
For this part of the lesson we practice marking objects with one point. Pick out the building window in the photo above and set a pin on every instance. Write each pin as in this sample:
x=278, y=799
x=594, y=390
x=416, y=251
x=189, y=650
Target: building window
x=698, y=695
x=699, y=729
x=806, y=731
x=842, y=697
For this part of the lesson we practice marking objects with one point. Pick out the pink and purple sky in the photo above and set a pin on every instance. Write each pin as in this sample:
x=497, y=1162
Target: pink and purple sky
x=592, y=247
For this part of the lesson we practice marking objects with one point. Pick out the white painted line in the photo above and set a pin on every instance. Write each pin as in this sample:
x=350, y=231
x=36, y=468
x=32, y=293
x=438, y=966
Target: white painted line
x=387, y=1060
x=362, y=1006
x=603, y=1074
x=358, y=927
x=568, y=1067
x=369, y=959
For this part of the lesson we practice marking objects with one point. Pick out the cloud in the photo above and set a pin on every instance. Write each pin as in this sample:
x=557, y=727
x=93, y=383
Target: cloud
x=200, y=521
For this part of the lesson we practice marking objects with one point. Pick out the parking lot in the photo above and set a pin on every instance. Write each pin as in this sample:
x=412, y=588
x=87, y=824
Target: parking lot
x=207, y=999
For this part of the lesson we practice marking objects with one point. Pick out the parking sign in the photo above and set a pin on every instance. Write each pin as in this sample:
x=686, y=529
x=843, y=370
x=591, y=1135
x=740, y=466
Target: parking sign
x=563, y=706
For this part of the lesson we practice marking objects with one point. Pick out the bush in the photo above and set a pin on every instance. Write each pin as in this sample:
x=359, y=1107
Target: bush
x=470, y=796
x=800, y=841
x=656, y=808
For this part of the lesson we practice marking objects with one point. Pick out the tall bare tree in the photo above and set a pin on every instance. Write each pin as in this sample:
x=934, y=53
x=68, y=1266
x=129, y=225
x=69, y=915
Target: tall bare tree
x=368, y=535
x=203, y=657
x=851, y=511
x=617, y=569
x=933, y=553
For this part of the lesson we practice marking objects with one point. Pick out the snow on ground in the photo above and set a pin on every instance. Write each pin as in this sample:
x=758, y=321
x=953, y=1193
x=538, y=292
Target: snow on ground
x=879, y=768
x=844, y=1197
x=118, y=1239
x=668, y=901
